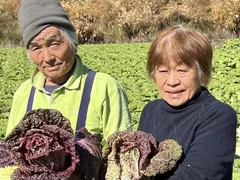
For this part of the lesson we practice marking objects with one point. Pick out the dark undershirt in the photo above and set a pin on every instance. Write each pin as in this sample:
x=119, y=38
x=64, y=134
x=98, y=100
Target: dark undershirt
x=51, y=88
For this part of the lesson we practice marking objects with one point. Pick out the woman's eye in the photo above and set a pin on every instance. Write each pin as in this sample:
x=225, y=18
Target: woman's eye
x=163, y=71
x=182, y=70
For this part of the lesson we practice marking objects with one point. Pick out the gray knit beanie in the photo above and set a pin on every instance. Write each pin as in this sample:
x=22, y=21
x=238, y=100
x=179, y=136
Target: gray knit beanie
x=35, y=15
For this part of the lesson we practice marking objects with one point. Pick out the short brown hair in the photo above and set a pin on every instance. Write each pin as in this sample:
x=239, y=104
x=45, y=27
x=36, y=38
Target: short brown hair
x=185, y=46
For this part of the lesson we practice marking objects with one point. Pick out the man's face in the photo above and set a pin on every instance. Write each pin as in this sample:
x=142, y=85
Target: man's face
x=52, y=54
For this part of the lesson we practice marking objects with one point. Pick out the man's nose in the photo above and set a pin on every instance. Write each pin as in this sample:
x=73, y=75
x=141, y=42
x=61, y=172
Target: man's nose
x=47, y=55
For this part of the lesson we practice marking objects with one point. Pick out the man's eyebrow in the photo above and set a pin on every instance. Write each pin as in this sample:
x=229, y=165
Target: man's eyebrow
x=53, y=38
x=33, y=43
x=48, y=39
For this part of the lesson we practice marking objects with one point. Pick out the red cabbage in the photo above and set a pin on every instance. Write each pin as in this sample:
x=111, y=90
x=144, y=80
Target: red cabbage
x=137, y=155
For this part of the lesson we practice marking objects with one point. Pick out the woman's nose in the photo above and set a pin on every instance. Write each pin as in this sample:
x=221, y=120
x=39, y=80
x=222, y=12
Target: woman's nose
x=173, y=79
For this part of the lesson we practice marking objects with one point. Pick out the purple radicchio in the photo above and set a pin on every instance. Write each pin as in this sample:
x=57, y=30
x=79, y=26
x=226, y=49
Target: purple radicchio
x=89, y=148
x=43, y=147
x=5, y=158
x=137, y=155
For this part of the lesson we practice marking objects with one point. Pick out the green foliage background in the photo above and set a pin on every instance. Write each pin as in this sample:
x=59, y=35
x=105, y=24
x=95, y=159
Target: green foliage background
x=109, y=21
x=126, y=62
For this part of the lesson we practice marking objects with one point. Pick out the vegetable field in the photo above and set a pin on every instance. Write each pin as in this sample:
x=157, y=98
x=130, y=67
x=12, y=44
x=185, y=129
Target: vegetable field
x=126, y=62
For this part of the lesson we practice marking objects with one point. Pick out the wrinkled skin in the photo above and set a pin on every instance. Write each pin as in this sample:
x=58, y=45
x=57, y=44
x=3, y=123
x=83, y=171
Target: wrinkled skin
x=43, y=147
x=134, y=155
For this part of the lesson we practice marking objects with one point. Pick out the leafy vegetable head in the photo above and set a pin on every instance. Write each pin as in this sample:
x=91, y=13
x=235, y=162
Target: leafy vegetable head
x=42, y=144
x=5, y=158
x=137, y=155
x=89, y=148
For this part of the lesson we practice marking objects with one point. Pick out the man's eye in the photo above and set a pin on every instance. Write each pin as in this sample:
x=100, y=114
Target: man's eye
x=34, y=48
x=54, y=45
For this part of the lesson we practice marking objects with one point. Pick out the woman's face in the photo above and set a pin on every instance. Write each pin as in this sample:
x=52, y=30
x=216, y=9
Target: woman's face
x=176, y=83
x=52, y=54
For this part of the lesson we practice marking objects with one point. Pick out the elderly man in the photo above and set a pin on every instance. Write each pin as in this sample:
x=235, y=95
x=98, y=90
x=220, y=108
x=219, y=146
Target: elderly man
x=59, y=78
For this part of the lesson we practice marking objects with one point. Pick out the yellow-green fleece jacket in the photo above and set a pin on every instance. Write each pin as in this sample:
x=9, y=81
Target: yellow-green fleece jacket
x=108, y=110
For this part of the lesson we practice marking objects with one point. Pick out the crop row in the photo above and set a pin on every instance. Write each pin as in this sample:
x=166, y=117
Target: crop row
x=125, y=62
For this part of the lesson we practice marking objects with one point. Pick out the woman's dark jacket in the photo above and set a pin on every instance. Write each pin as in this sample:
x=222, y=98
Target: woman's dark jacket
x=204, y=127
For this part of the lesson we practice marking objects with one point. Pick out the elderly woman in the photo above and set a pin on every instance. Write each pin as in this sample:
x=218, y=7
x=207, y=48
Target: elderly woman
x=180, y=63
